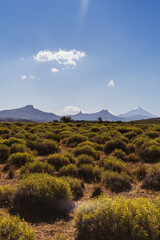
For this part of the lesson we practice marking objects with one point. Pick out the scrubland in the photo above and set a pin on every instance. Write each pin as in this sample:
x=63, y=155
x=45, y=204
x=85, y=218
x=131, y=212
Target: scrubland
x=79, y=180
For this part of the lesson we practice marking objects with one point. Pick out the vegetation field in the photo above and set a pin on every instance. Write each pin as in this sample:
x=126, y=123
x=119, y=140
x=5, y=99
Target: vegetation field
x=79, y=180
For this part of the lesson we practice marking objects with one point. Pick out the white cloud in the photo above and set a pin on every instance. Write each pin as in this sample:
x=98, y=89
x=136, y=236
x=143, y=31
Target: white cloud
x=62, y=56
x=54, y=70
x=23, y=77
x=22, y=59
x=71, y=110
x=32, y=77
x=111, y=83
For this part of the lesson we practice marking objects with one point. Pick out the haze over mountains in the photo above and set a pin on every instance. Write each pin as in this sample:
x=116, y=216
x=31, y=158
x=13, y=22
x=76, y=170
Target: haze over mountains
x=32, y=114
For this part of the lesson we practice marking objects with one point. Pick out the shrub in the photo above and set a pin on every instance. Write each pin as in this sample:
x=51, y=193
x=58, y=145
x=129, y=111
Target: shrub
x=46, y=147
x=10, y=141
x=6, y=193
x=53, y=136
x=37, y=167
x=150, y=154
x=70, y=156
x=152, y=180
x=57, y=160
x=76, y=186
x=118, y=218
x=74, y=140
x=85, y=159
x=18, y=147
x=132, y=157
x=90, y=173
x=4, y=153
x=69, y=170
x=97, y=191
x=60, y=236
x=111, y=145
x=11, y=228
x=152, y=134
x=116, y=182
x=20, y=159
x=114, y=164
x=140, y=172
x=87, y=150
x=119, y=154
x=42, y=194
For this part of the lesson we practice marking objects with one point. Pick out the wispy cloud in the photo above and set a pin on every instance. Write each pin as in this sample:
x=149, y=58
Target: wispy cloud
x=111, y=83
x=71, y=110
x=32, y=77
x=61, y=57
x=84, y=7
x=23, y=77
x=54, y=70
x=22, y=58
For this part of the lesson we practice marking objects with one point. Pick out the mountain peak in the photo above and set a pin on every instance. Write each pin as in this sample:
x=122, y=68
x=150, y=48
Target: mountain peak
x=29, y=107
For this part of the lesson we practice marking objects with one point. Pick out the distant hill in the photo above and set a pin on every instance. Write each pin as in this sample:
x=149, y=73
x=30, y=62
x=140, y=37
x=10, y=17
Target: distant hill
x=28, y=113
x=137, y=114
x=104, y=114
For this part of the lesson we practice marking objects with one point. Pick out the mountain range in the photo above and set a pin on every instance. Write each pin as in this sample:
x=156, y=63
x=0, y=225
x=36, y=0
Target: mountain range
x=29, y=113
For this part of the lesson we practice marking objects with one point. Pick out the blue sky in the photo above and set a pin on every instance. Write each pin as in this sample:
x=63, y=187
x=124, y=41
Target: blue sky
x=65, y=55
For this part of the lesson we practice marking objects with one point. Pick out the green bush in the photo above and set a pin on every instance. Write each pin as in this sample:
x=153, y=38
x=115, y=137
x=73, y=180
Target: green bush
x=4, y=153
x=6, y=194
x=111, y=145
x=85, y=159
x=42, y=194
x=74, y=140
x=119, y=154
x=116, y=182
x=152, y=180
x=87, y=150
x=20, y=159
x=76, y=186
x=69, y=170
x=18, y=147
x=37, y=167
x=57, y=160
x=12, y=228
x=11, y=141
x=70, y=156
x=141, y=172
x=118, y=218
x=46, y=147
x=114, y=164
x=90, y=173
x=150, y=153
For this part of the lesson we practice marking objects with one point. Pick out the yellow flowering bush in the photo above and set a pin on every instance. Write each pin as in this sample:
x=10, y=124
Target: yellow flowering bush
x=118, y=218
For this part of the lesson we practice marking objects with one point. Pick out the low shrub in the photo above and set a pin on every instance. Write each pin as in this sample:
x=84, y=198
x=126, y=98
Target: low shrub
x=76, y=186
x=119, y=154
x=70, y=156
x=37, y=167
x=12, y=140
x=152, y=180
x=4, y=153
x=149, y=154
x=140, y=172
x=18, y=147
x=57, y=160
x=114, y=164
x=12, y=228
x=46, y=147
x=85, y=159
x=6, y=194
x=20, y=159
x=111, y=145
x=116, y=182
x=97, y=191
x=74, y=140
x=90, y=173
x=60, y=236
x=69, y=170
x=42, y=194
x=87, y=150
x=118, y=218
